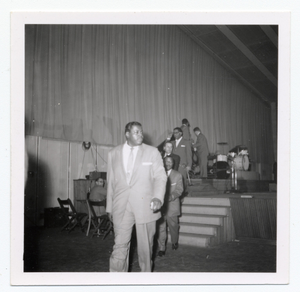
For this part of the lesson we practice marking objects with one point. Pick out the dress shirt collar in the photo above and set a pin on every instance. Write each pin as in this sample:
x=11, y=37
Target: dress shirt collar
x=135, y=148
x=178, y=141
x=168, y=172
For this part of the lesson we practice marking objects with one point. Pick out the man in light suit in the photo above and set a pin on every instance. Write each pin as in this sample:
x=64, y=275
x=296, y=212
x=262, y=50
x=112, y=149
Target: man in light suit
x=171, y=208
x=183, y=149
x=135, y=192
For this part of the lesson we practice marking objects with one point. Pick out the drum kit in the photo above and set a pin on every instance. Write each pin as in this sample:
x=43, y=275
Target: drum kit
x=226, y=165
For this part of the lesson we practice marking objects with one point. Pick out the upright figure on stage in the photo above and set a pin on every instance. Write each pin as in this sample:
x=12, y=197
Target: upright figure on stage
x=185, y=127
x=201, y=147
x=183, y=149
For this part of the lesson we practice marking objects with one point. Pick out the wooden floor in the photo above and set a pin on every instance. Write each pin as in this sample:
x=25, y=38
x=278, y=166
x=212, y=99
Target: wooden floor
x=49, y=250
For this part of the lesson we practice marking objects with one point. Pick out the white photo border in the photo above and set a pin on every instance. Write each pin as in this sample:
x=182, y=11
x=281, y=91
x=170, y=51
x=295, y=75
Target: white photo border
x=18, y=22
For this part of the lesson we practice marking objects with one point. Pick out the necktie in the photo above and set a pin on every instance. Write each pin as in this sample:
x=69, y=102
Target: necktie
x=130, y=165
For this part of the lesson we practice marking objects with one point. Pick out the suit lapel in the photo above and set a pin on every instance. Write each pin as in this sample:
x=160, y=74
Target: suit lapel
x=171, y=176
x=120, y=158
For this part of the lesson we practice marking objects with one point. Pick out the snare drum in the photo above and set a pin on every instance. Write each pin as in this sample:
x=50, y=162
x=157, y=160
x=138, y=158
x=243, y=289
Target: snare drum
x=222, y=157
x=241, y=162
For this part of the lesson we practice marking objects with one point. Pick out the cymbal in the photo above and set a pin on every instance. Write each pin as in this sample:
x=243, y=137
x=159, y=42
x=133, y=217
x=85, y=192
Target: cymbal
x=222, y=143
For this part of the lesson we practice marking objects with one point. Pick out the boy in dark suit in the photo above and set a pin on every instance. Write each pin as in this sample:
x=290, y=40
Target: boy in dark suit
x=171, y=208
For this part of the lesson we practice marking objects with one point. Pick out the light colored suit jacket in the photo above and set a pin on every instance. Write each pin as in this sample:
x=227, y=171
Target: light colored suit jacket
x=174, y=190
x=148, y=181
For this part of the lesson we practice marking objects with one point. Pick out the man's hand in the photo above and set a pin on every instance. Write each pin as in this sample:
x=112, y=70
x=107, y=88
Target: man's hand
x=110, y=217
x=171, y=198
x=170, y=134
x=155, y=204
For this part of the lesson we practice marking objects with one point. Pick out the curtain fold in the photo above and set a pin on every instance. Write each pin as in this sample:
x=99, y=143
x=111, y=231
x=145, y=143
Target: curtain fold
x=85, y=82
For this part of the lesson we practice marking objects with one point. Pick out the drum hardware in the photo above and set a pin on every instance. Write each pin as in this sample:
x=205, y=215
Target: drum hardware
x=222, y=157
x=237, y=162
x=222, y=145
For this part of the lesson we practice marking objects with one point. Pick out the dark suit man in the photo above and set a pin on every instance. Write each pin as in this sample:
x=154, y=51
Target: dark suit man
x=201, y=147
x=185, y=127
x=135, y=192
x=183, y=149
x=171, y=208
x=168, y=148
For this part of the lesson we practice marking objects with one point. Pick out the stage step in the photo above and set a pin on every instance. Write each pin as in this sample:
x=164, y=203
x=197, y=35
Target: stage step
x=202, y=219
x=205, y=221
x=207, y=201
x=197, y=228
x=197, y=240
x=205, y=209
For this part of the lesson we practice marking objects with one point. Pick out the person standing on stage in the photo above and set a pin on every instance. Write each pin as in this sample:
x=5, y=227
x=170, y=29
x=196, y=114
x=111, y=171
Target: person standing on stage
x=183, y=149
x=135, y=192
x=171, y=208
x=168, y=148
x=201, y=147
x=185, y=127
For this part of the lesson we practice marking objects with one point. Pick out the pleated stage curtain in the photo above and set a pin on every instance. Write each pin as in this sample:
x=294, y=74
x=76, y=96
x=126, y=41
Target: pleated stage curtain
x=85, y=82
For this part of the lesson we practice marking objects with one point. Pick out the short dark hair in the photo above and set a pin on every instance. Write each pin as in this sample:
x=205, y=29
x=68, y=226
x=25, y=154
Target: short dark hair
x=197, y=129
x=186, y=122
x=168, y=157
x=178, y=129
x=129, y=126
x=168, y=142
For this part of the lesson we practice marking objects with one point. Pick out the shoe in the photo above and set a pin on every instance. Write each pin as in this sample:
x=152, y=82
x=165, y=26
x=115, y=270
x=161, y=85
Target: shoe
x=174, y=246
x=161, y=253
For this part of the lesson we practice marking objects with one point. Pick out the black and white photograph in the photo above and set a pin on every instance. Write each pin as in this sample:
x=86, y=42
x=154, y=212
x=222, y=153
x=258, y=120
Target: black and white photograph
x=150, y=144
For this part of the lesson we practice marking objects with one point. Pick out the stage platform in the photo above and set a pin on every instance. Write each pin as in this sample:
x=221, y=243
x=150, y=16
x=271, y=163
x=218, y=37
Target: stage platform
x=206, y=187
x=213, y=214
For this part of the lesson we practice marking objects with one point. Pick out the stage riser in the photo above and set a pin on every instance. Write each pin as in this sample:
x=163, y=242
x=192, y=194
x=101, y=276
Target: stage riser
x=205, y=222
x=207, y=201
x=194, y=240
x=225, y=185
x=201, y=219
x=199, y=229
x=202, y=209
x=255, y=218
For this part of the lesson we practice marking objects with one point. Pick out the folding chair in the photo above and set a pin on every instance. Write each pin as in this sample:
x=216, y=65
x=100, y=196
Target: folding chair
x=101, y=222
x=72, y=217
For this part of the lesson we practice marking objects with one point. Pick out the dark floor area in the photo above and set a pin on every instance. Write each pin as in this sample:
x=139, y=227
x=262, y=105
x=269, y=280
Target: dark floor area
x=50, y=250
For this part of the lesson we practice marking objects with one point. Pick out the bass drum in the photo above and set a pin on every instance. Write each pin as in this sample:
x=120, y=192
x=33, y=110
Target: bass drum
x=221, y=170
x=241, y=162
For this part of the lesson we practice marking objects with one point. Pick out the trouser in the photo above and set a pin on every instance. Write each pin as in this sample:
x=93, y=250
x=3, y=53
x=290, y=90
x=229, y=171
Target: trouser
x=202, y=162
x=119, y=259
x=162, y=234
x=182, y=170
